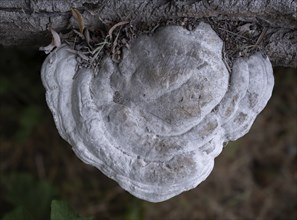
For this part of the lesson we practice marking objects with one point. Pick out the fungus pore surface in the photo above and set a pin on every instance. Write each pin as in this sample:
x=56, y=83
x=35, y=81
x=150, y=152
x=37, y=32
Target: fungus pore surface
x=155, y=122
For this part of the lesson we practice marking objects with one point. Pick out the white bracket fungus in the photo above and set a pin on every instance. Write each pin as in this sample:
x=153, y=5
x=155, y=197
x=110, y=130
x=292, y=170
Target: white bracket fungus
x=155, y=122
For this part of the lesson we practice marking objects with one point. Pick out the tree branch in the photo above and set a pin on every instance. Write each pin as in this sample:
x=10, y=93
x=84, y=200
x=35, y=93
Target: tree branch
x=24, y=22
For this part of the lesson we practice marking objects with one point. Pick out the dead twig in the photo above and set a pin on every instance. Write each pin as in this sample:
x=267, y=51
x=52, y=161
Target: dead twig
x=115, y=26
x=230, y=32
x=262, y=35
x=114, y=48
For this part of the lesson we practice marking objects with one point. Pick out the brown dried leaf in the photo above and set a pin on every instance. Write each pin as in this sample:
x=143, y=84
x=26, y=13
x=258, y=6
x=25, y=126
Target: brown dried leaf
x=79, y=18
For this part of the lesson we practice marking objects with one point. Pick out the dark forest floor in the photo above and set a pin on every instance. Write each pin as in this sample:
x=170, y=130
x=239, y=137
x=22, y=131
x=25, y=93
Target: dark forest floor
x=254, y=178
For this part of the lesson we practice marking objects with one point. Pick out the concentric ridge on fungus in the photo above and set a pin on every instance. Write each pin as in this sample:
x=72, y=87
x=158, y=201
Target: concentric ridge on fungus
x=155, y=122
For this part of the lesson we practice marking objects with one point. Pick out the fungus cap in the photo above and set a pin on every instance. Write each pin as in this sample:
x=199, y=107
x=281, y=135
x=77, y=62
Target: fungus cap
x=155, y=122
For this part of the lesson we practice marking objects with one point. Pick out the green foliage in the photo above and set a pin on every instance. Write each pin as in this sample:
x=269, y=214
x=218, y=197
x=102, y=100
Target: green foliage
x=29, y=197
x=19, y=213
x=29, y=118
x=60, y=211
x=134, y=211
x=33, y=200
x=21, y=93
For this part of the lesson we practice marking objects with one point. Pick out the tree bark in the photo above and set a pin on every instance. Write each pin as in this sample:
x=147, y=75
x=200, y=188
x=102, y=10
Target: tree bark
x=25, y=22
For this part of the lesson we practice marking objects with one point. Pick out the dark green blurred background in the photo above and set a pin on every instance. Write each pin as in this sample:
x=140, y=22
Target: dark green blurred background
x=254, y=178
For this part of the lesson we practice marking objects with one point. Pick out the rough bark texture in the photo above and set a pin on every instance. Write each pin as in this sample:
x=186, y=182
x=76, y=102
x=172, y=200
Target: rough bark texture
x=24, y=22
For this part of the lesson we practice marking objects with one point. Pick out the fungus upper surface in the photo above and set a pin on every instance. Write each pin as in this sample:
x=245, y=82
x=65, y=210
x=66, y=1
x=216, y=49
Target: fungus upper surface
x=155, y=122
